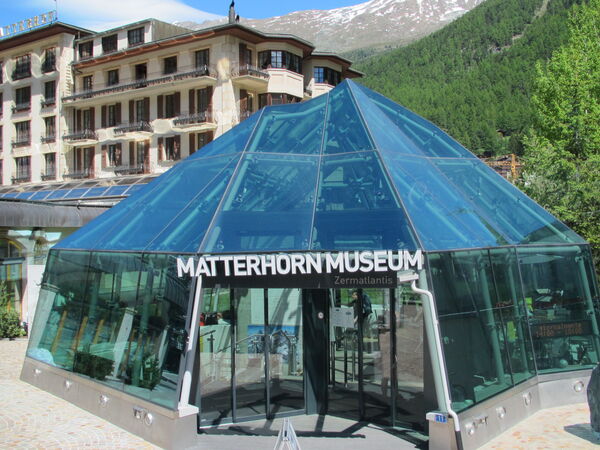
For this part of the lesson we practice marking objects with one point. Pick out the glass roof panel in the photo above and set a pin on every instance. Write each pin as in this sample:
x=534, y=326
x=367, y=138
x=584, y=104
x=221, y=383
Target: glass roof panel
x=234, y=141
x=40, y=195
x=443, y=218
x=293, y=128
x=24, y=195
x=357, y=208
x=137, y=229
x=115, y=190
x=58, y=194
x=76, y=193
x=345, y=131
x=11, y=195
x=96, y=191
x=512, y=212
x=269, y=205
x=428, y=137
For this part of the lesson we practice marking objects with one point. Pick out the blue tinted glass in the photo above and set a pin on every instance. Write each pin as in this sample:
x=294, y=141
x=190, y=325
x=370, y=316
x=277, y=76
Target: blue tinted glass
x=96, y=192
x=234, y=141
x=76, y=193
x=115, y=190
x=24, y=195
x=357, y=207
x=295, y=128
x=385, y=133
x=443, y=218
x=345, y=130
x=269, y=206
x=512, y=212
x=133, y=189
x=429, y=138
x=40, y=195
x=11, y=195
x=186, y=230
x=60, y=193
x=137, y=229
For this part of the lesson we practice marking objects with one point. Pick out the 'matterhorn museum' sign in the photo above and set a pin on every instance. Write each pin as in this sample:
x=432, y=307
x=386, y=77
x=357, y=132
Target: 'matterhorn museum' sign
x=315, y=270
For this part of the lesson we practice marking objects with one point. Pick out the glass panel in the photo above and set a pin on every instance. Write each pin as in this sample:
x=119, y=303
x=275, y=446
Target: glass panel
x=249, y=352
x=426, y=136
x=410, y=399
x=57, y=323
x=234, y=141
x=470, y=324
x=59, y=193
x=345, y=130
x=214, y=388
x=115, y=190
x=285, y=350
x=295, y=128
x=76, y=193
x=356, y=207
x=157, y=336
x=443, y=218
x=185, y=230
x=511, y=212
x=269, y=205
x=560, y=304
x=96, y=192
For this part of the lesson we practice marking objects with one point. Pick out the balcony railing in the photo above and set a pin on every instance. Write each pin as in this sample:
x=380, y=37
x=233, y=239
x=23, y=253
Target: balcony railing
x=20, y=74
x=49, y=175
x=20, y=107
x=248, y=69
x=200, y=72
x=21, y=141
x=84, y=135
x=48, y=138
x=189, y=119
x=46, y=102
x=21, y=178
x=130, y=169
x=132, y=128
x=79, y=174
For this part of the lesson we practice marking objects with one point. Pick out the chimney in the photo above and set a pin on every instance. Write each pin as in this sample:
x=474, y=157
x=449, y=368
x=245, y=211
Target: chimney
x=232, y=12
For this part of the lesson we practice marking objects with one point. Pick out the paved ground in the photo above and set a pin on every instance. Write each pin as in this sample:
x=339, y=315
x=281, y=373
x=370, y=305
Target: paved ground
x=31, y=418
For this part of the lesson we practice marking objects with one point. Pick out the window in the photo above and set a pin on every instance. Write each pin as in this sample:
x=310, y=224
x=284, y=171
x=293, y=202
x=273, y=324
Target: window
x=141, y=72
x=109, y=43
x=86, y=83
x=172, y=148
x=49, y=63
x=23, y=98
x=200, y=140
x=50, y=165
x=113, y=115
x=50, y=123
x=87, y=119
x=276, y=99
x=171, y=106
x=1, y=72
x=202, y=59
x=83, y=162
x=86, y=49
x=114, y=155
x=1, y=139
x=204, y=98
x=1, y=169
x=23, y=169
x=23, y=137
x=327, y=75
x=140, y=111
x=170, y=65
x=135, y=36
x=49, y=92
x=279, y=59
x=112, y=77
x=22, y=67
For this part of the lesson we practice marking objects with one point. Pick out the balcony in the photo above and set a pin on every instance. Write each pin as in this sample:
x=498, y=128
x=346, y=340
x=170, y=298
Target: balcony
x=139, y=84
x=48, y=138
x=194, y=122
x=83, y=137
x=21, y=74
x=49, y=175
x=131, y=169
x=21, y=107
x=250, y=77
x=24, y=177
x=76, y=174
x=136, y=127
x=47, y=102
x=21, y=141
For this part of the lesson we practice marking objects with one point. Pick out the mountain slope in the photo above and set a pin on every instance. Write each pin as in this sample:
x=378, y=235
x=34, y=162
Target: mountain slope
x=473, y=78
x=369, y=24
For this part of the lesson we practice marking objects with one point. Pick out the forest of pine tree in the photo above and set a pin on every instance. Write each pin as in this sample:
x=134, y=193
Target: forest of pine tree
x=474, y=77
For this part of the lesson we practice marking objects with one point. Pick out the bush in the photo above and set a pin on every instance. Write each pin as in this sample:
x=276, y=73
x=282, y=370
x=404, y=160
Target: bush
x=10, y=325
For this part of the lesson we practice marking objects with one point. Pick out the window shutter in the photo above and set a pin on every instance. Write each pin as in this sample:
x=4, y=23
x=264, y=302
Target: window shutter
x=209, y=109
x=131, y=111
x=92, y=119
x=192, y=99
x=242, y=58
x=146, y=109
x=177, y=149
x=103, y=120
x=161, y=149
x=104, y=156
x=210, y=137
x=119, y=155
x=118, y=113
x=160, y=109
x=177, y=103
x=92, y=151
x=147, y=156
x=192, y=143
x=132, y=160
x=78, y=120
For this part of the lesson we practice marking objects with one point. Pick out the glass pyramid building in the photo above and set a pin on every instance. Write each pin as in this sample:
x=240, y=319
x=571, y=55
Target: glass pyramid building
x=514, y=288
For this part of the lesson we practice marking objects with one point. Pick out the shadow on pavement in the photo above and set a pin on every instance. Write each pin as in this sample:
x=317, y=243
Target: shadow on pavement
x=583, y=431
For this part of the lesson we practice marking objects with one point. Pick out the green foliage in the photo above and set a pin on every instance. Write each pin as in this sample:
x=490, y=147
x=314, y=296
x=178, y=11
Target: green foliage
x=91, y=365
x=562, y=151
x=150, y=372
x=4, y=296
x=474, y=77
x=10, y=325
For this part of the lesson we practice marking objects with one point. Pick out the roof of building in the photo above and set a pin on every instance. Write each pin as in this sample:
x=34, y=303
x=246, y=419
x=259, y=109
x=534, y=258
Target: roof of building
x=349, y=169
x=41, y=32
x=25, y=214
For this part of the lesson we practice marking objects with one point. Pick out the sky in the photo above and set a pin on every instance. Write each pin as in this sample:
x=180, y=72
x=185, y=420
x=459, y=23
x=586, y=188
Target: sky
x=101, y=15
